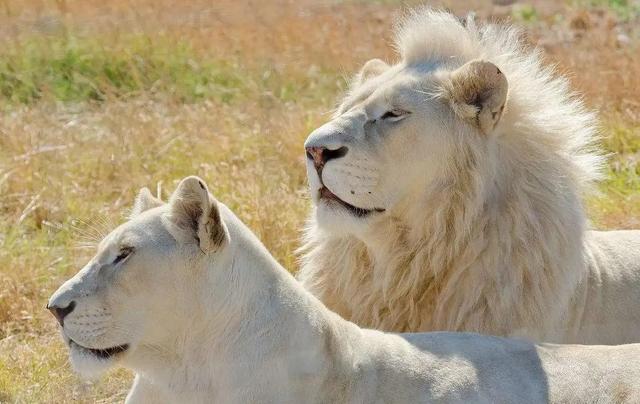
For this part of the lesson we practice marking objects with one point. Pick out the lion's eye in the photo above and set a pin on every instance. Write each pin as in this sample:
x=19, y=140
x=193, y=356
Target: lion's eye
x=394, y=115
x=124, y=253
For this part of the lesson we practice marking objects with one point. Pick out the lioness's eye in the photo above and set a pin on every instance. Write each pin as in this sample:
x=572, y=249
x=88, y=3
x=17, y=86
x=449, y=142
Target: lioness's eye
x=394, y=115
x=124, y=253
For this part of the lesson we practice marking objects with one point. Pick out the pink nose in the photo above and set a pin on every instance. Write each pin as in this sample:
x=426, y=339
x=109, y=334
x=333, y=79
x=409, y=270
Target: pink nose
x=317, y=155
x=61, y=312
x=321, y=155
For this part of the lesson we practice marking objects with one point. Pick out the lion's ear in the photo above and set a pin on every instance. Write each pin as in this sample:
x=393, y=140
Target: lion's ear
x=477, y=92
x=372, y=68
x=144, y=201
x=195, y=211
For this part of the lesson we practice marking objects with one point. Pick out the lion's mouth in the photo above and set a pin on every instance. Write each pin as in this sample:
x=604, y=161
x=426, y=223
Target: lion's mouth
x=105, y=353
x=328, y=196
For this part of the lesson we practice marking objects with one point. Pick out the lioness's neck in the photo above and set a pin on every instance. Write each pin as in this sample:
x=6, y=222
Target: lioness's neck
x=257, y=329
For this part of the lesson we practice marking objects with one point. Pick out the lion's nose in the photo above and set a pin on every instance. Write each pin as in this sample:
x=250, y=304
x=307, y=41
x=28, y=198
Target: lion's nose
x=321, y=155
x=61, y=312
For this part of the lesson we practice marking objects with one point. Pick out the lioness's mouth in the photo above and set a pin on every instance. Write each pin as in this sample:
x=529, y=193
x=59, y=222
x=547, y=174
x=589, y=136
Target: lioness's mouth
x=327, y=195
x=104, y=353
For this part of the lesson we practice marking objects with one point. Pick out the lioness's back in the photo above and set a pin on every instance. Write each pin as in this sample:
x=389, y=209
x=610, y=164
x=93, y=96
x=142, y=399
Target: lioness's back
x=458, y=366
x=610, y=287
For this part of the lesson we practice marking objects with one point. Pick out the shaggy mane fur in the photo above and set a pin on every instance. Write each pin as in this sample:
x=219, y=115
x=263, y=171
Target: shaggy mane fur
x=498, y=246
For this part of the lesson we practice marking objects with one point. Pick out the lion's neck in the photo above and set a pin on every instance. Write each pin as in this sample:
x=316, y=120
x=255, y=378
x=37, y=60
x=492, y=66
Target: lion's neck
x=482, y=257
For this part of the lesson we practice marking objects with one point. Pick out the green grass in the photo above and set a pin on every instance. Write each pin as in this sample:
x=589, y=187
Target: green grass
x=619, y=201
x=623, y=172
x=624, y=9
x=525, y=13
x=74, y=69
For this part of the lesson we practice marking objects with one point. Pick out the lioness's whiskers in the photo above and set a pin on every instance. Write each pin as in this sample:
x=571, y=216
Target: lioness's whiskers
x=88, y=233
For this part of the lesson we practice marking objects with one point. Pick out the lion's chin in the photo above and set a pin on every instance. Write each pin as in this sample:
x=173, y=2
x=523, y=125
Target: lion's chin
x=92, y=363
x=337, y=220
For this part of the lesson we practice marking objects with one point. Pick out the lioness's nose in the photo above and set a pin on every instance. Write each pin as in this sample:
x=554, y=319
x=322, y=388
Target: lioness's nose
x=321, y=155
x=61, y=312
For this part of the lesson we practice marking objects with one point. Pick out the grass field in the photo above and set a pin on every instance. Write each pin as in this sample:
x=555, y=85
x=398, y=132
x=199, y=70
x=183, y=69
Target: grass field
x=101, y=98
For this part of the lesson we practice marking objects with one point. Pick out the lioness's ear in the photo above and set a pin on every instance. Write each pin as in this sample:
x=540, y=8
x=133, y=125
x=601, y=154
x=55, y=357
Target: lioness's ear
x=144, y=201
x=195, y=211
x=372, y=68
x=477, y=92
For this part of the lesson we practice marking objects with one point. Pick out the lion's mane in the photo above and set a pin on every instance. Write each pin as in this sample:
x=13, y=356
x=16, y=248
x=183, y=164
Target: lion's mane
x=499, y=246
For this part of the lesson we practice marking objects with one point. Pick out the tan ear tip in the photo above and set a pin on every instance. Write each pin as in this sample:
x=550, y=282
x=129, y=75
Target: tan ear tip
x=194, y=181
x=497, y=72
x=486, y=66
x=195, y=184
x=491, y=73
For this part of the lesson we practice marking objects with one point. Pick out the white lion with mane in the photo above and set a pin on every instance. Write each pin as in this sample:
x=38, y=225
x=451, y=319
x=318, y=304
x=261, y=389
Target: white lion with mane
x=186, y=296
x=448, y=196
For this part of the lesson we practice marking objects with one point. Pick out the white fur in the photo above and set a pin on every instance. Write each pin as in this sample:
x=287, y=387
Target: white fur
x=230, y=325
x=483, y=226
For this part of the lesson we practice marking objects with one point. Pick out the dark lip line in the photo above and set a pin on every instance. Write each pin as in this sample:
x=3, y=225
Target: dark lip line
x=105, y=353
x=358, y=212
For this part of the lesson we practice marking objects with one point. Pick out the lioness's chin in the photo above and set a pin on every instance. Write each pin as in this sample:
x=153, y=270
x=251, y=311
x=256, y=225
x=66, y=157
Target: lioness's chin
x=90, y=364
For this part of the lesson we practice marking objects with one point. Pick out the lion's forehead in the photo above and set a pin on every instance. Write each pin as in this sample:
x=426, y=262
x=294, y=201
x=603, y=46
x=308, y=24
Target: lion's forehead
x=400, y=88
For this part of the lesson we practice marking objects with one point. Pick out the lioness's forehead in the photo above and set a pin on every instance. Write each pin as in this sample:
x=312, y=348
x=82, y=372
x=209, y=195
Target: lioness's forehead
x=146, y=228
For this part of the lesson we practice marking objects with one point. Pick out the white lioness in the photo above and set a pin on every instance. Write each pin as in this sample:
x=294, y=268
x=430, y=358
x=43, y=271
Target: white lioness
x=448, y=196
x=185, y=295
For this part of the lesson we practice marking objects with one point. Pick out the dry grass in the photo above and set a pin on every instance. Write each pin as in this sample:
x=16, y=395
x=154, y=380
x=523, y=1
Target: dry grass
x=100, y=98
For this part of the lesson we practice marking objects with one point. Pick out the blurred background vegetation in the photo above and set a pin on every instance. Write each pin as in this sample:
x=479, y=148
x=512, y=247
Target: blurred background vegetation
x=99, y=98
